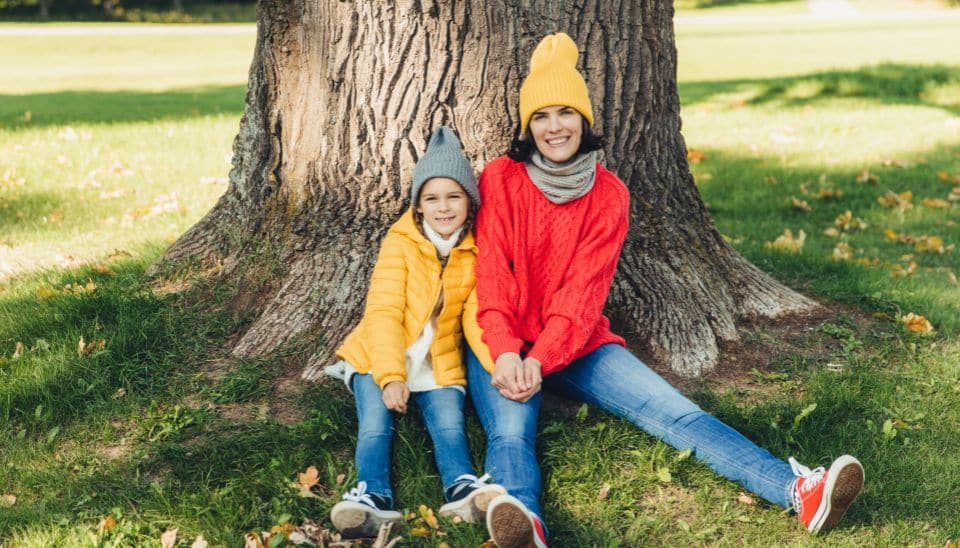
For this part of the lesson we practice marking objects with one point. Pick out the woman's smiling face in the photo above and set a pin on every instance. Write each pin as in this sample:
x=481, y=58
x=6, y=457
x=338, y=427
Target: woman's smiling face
x=557, y=131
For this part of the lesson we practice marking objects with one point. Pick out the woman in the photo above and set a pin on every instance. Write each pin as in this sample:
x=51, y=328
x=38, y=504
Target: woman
x=550, y=234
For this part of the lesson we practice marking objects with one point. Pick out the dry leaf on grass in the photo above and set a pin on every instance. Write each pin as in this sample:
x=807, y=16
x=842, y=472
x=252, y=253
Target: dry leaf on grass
x=199, y=542
x=6, y=501
x=306, y=480
x=842, y=252
x=746, y=499
x=787, y=242
x=604, y=493
x=893, y=200
x=18, y=350
x=935, y=203
x=916, y=323
x=866, y=177
x=106, y=524
x=169, y=538
x=695, y=156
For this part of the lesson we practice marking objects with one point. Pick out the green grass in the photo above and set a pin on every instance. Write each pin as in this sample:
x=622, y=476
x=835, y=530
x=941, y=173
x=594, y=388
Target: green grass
x=158, y=429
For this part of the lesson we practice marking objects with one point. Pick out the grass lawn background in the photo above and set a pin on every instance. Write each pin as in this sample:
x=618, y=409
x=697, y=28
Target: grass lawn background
x=127, y=143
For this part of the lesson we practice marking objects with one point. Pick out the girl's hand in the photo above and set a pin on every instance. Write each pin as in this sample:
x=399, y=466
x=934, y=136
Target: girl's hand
x=532, y=378
x=508, y=374
x=395, y=396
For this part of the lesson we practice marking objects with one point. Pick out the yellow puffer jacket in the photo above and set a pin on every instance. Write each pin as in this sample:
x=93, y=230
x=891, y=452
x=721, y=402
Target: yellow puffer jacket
x=473, y=333
x=404, y=290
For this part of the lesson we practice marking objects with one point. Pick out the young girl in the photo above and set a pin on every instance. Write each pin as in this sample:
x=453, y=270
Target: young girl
x=408, y=344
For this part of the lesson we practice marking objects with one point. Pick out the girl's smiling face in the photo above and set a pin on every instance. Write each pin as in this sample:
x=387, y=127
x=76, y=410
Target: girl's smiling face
x=557, y=131
x=443, y=204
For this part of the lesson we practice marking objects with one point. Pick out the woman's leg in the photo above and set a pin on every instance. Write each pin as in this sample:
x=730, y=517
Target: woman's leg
x=442, y=412
x=511, y=429
x=613, y=379
x=374, y=437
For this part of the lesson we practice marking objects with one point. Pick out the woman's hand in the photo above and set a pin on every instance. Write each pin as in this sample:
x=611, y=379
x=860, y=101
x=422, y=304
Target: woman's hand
x=508, y=373
x=395, y=396
x=532, y=379
x=517, y=379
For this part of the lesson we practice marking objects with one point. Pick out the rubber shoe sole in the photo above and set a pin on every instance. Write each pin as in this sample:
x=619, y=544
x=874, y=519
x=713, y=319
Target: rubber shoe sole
x=844, y=483
x=357, y=520
x=473, y=507
x=509, y=524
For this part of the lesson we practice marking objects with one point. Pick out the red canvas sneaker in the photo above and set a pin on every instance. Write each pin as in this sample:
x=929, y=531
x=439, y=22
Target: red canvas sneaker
x=820, y=497
x=511, y=525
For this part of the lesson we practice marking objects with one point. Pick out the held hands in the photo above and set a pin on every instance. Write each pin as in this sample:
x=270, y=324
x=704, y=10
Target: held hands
x=517, y=380
x=395, y=396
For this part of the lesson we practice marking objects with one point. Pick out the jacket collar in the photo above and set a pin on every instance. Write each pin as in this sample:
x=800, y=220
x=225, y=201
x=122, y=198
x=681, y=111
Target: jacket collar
x=407, y=227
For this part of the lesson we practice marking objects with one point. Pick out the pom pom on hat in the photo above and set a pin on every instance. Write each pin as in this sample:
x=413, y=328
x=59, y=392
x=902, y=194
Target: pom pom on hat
x=554, y=80
x=444, y=158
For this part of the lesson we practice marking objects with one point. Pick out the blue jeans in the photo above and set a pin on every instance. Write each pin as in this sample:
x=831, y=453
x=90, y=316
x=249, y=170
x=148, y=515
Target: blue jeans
x=442, y=412
x=614, y=380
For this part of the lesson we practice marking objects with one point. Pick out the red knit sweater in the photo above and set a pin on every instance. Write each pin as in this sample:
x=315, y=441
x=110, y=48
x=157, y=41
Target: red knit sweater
x=544, y=270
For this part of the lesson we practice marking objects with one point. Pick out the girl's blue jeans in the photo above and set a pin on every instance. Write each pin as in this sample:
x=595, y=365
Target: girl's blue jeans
x=613, y=379
x=442, y=412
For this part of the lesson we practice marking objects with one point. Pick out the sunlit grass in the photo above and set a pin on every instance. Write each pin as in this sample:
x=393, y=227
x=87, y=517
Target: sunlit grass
x=159, y=430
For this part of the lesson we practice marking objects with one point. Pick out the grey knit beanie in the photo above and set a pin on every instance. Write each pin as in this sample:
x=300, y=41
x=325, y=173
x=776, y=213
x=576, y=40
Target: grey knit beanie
x=444, y=158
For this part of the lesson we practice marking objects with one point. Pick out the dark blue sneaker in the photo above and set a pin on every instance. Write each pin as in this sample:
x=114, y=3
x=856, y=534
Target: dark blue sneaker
x=361, y=514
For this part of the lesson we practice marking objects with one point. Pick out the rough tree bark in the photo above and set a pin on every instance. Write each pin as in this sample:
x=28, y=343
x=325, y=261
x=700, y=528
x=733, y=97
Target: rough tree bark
x=342, y=97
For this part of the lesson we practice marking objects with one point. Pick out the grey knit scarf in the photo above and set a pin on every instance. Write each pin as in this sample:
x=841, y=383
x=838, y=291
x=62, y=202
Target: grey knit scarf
x=562, y=183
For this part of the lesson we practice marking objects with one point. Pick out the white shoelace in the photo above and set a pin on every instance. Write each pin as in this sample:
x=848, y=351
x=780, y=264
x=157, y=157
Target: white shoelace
x=359, y=494
x=469, y=480
x=811, y=478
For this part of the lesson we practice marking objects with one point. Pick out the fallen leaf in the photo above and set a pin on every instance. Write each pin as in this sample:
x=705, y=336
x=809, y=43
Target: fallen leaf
x=831, y=232
x=746, y=499
x=199, y=542
x=252, y=540
x=930, y=244
x=169, y=538
x=695, y=156
x=943, y=176
x=604, y=493
x=846, y=221
x=787, y=242
x=900, y=272
x=6, y=501
x=340, y=478
x=102, y=268
x=829, y=193
x=800, y=205
x=306, y=480
x=842, y=252
x=891, y=234
x=916, y=323
x=427, y=515
x=935, y=203
x=18, y=350
x=106, y=524
x=866, y=177
x=952, y=277
x=419, y=532
x=893, y=200
x=121, y=392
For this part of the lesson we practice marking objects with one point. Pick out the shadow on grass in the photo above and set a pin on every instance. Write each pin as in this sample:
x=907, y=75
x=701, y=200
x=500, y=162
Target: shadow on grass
x=91, y=107
x=928, y=85
x=25, y=207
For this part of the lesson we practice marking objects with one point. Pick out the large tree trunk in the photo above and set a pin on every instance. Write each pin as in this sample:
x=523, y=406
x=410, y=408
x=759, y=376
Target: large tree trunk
x=341, y=100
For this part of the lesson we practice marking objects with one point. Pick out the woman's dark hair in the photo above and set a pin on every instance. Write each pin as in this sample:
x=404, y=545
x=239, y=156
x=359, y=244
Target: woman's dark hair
x=522, y=147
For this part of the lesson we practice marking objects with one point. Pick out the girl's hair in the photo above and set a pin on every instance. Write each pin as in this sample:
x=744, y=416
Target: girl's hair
x=522, y=146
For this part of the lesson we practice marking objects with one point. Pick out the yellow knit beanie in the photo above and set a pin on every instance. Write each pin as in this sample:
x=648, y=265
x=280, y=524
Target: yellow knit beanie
x=554, y=80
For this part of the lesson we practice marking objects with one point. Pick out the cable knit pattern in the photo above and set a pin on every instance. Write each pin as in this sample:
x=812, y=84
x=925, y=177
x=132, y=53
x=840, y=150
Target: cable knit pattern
x=544, y=270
